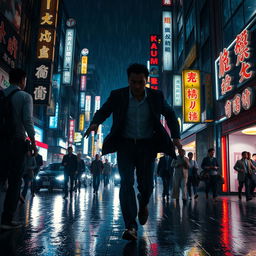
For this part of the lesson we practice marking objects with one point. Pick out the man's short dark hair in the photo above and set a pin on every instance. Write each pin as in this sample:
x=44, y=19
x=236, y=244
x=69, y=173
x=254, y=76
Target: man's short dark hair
x=70, y=148
x=190, y=153
x=210, y=150
x=137, y=69
x=244, y=152
x=16, y=75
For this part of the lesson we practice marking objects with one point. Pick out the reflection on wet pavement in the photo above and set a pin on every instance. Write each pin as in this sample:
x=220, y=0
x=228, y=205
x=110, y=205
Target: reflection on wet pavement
x=86, y=224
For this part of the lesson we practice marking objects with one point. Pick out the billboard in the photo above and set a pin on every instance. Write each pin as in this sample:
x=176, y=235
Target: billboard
x=191, y=96
x=87, y=107
x=83, y=83
x=82, y=101
x=53, y=120
x=167, y=41
x=81, y=122
x=68, y=56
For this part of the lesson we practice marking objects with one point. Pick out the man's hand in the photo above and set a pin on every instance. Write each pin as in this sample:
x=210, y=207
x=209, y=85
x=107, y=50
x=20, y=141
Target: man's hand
x=177, y=143
x=93, y=127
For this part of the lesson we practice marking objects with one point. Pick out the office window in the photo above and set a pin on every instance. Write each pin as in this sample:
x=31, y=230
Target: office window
x=235, y=4
x=249, y=9
x=226, y=10
x=228, y=34
x=238, y=21
x=180, y=44
x=190, y=24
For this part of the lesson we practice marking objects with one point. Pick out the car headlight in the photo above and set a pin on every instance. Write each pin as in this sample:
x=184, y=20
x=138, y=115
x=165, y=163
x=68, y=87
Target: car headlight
x=117, y=177
x=37, y=177
x=83, y=175
x=60, y=178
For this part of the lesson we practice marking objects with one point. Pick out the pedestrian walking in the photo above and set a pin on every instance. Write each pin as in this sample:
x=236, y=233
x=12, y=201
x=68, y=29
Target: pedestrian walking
x=28, y=174
x=193, y=179
x=165, y=171
x=253, y=174
x=137, y=135
x=106, y=172
x=244, y=169
x=39, y=164
x=180, y=176
x=69, y=162
x=96, y=170
x=80, y=171
x=210, y=167
x=18, y=115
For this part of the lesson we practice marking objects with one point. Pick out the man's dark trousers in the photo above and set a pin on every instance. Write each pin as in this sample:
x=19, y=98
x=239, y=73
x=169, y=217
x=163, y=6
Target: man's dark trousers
x=68, y=176
x=211, y=183
x=13, y=166
x=133, y=154
x=248, y=183
x=166, y=178
x=96, y=182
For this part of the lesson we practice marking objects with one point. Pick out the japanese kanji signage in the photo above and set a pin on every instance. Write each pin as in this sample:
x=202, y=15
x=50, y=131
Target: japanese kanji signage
x=83, y=81
x=71, y=134
x=97, y=103
x=87, y=107
x=81, y=122
x=191, y=96
x=82, y=101
x=167, y=41
x=154, y=62
x=9, y=41
x=177, y=94
x=68, y=56
x=234, y=67
x=45, y=51
x=84, y=63
x=243, y=101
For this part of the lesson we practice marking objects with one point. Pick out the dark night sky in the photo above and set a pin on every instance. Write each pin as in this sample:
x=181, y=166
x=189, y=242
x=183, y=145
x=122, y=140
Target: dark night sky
x=116, y=33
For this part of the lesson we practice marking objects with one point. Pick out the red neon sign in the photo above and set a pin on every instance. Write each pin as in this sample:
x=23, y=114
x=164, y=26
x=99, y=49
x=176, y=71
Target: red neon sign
x=154, y=62
x=71, y=131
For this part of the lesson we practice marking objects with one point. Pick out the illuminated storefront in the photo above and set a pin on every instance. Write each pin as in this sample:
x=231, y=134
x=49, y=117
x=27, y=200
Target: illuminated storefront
x=235, y=93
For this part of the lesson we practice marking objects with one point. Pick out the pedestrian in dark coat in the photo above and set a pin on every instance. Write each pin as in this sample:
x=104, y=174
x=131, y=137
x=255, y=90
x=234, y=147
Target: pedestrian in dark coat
x=96, y=170
x=70, y=167
x=137, y=135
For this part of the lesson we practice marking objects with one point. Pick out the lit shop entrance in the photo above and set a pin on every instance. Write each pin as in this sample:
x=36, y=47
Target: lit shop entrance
x=232, y=146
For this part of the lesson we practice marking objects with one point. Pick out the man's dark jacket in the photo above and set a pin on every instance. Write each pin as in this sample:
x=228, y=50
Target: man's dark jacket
x=164, y=166
x=71, y=163
x=117, y=103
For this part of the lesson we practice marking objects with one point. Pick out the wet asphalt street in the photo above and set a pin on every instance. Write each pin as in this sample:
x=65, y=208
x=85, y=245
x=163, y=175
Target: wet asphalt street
x=92, y=225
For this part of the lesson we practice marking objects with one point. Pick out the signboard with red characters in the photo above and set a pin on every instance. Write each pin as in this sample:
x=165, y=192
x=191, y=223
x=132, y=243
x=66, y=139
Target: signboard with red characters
x=9, y=43
x=243, y=101
x=154, y=62
x=191, y=96
x=71, y=131
x=234, y=66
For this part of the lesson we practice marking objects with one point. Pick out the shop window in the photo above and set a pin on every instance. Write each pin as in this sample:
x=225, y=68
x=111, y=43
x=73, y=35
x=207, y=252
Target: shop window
x=226, y=10
x=190, y=24
x=238, y=21
x=235, y=4
x=180, y=44
x=204, y=23
x=228, y=34
x=249, y=9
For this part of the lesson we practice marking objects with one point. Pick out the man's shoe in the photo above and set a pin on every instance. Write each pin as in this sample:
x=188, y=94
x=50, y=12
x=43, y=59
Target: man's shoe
x=143, y=215
x=130, y=234
x=248, y=199
x=196, y=196
x=10, y=225
x=240, y=196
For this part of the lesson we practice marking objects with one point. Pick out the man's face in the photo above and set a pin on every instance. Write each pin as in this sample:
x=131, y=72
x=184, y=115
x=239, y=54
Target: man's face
x=137, y=83
x=70, y=150
x=97, y=157
x=254, y=157
x=190, y=156
x=244, y=155
x=211, y=154
x=182, y=153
